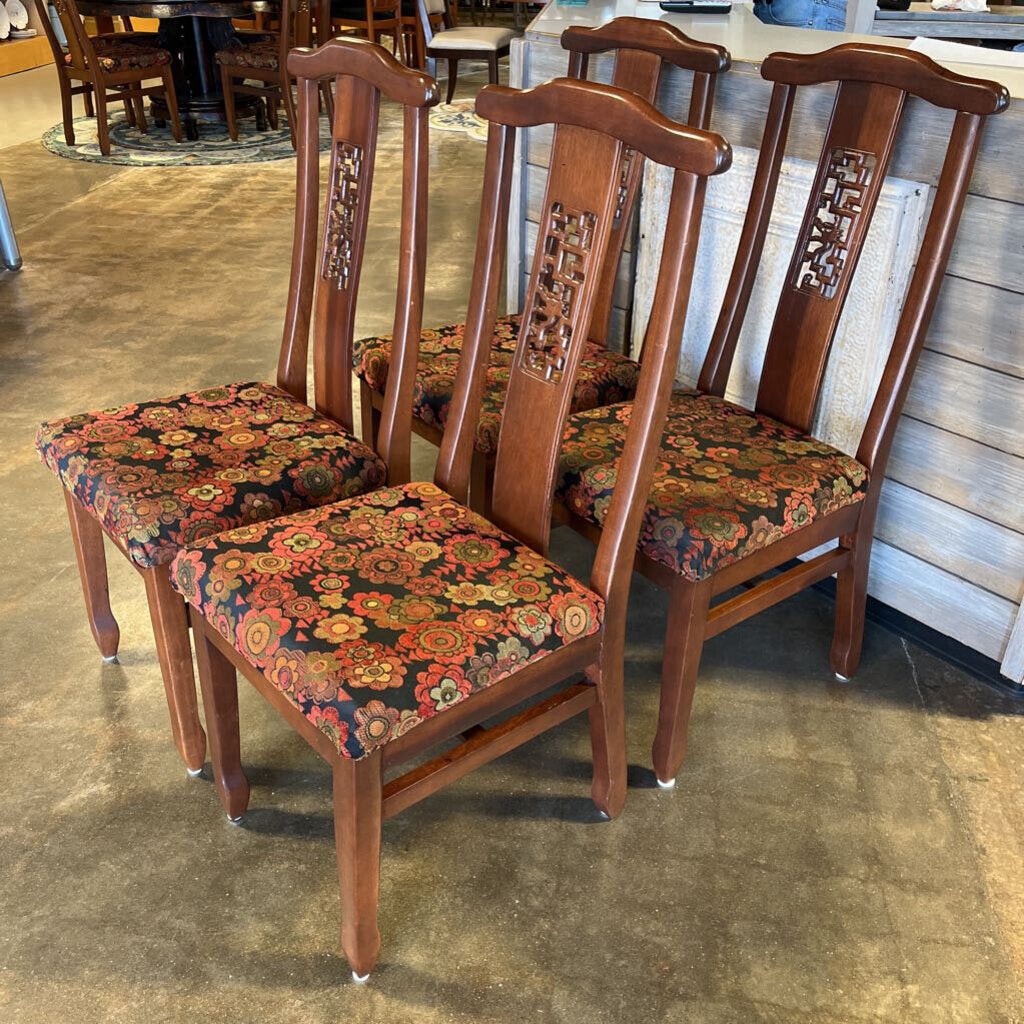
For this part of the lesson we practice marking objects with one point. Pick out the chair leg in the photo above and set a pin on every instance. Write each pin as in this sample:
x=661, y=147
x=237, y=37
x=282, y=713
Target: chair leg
x=129, y=111
x=357, y=822
x=289, y=106
x=92, y=568
x=170, y=630
x=851, y=598
x=327, y=89
x=608, y=731
x=220, y=702
x=102, y=125
x=684, y=641
x=453, y=74
x=90, y=110
x=492, y=68
x=140, y=112
x=171, y=99
x=229, y=104
x=67, y=113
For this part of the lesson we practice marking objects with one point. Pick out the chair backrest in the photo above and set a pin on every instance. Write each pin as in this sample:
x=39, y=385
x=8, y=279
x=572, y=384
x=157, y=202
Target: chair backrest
x=362, y=73
x=431, y=15
x=297, y=21
x=79, y=45
x=872, y=85
x=593, y=125
x=642, y=47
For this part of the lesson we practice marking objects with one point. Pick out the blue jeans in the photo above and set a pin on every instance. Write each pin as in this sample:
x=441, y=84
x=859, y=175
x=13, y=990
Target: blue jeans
x=829, y=15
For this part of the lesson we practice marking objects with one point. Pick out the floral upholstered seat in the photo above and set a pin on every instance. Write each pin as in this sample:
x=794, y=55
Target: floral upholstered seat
x=160, y=474
x=118, y=54
x=374, y=614
x=604, y=376
x=727, y=483
x=262, y=54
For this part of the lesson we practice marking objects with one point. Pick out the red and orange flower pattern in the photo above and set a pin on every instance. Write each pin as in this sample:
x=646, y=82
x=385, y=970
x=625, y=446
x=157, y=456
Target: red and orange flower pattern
x=374, y=614
x=727, y=482
x=161, y=474
x=604, y=376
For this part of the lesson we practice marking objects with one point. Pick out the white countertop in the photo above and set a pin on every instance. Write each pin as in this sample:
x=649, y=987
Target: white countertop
x=741, y=33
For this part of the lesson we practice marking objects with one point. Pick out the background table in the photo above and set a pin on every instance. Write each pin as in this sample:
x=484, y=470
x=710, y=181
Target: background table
x=192, y=31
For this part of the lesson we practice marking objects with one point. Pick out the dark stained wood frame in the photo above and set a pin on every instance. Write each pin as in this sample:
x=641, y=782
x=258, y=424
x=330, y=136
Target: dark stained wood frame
x=362, y=72
x=593, y=126
x=371, y=26
x=873, y=82
x=85, y=67
x=641, y=48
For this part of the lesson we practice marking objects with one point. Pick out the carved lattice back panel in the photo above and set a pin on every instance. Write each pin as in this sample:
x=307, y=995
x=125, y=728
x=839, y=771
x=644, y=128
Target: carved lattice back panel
x=343, y=196
x=346, y=212
x=849, y=177
x=569, y=261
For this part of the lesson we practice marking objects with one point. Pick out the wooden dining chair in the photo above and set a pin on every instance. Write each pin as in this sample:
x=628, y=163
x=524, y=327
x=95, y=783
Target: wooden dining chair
x=111, y=67
x=372, y=19
x=156, y=475
x=641, y=47
x=739, y=493
x=258, y=67
x=406, y=619
x=452, y=42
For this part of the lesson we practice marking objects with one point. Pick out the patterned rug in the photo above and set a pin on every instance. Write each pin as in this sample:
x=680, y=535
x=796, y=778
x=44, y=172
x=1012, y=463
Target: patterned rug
x=129, y=147
x=459, y=116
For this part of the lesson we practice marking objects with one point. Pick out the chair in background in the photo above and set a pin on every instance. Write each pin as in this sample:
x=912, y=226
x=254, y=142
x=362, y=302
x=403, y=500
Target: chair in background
x=641, y=47
x=9, y=253
x=119, y=61
x=156, y=475
x=454, y=43
x=263, y=60
x=413, y=618
x=372, y=19
x=739, y=493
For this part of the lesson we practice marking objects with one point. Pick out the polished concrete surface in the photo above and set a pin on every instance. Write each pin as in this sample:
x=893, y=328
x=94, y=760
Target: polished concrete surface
x=830, y=854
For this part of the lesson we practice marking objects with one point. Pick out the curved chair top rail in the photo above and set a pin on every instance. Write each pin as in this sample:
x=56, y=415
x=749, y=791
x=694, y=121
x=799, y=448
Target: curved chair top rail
x=610, y=111
x=657, y=37
x=894, y=66
x=363, y=59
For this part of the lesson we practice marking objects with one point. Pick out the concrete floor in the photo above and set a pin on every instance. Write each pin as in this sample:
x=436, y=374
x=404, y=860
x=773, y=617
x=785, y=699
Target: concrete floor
x=830, y=854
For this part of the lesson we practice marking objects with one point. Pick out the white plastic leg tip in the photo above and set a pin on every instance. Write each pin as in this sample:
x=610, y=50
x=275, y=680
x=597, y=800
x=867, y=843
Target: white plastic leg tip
x=112, y=660
x=841, y=678
x=604, y=815
x=235, y=821
x=360, y=979
x=671, y=784
x=194, y=773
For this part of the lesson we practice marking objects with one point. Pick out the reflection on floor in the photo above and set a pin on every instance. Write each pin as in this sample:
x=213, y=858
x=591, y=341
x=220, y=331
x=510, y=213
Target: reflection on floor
x=830, y=854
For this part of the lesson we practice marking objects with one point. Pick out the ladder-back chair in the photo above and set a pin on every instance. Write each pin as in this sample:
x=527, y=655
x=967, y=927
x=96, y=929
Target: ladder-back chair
x=156, y=475
x=641, y=47
x=422, y=619
x=738, y=493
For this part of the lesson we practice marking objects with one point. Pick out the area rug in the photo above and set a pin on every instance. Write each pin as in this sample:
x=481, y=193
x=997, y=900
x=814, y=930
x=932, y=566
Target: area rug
x=129, y=147
x=459, y=116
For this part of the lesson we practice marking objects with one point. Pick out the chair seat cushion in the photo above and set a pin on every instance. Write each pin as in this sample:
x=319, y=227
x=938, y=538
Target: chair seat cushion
x=374, y=614
x=604, y=376
x=160, y=474
x=471, y=37
x=260, y=55
x=727, y=482
x=120, y=52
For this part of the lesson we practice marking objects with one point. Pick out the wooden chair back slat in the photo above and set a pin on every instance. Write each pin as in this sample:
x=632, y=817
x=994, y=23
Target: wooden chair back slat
x=80, y=48
x=641, y=47
x=851, y=170
x=325, y=286
x=873, y=82
x=572, y=244
x=593, y=125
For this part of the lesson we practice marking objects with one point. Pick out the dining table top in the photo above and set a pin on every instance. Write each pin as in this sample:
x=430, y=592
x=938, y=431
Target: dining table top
x=175, y=8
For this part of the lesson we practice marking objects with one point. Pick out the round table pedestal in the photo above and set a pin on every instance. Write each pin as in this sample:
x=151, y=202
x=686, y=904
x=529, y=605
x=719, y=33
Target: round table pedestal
x=193, y=41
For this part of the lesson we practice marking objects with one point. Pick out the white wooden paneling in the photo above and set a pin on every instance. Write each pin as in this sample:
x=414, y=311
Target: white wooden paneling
x=961, y=543
x=989, y=244
x=970, y=400
x=962, y=306
x=1013, y=657
x=963, y=472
